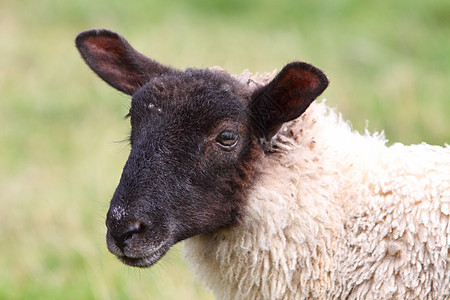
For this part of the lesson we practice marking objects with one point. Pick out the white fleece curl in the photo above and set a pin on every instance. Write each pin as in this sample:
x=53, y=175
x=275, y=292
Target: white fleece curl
x=335, y=214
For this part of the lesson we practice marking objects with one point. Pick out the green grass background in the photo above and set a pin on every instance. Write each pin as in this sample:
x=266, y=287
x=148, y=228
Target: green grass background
x=61, y=129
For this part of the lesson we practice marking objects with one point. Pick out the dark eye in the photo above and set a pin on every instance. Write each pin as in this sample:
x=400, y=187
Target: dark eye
x=227, y=139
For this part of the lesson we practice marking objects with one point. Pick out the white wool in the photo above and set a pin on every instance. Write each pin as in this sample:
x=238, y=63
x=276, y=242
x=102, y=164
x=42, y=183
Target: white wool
x=335, y=214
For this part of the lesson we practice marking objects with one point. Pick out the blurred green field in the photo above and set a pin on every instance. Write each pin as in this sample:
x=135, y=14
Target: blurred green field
x=62, y=129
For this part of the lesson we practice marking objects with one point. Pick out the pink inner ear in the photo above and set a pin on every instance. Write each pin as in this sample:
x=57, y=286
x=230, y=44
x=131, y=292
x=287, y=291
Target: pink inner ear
x=297, y=79
x=104, y=45
x=295, y=90
x=298, y=86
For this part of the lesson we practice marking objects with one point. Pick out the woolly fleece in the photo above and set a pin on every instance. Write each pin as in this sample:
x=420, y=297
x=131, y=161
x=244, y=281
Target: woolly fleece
x=335, y=214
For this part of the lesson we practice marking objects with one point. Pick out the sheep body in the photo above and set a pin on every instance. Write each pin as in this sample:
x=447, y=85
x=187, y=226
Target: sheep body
x=335, y=214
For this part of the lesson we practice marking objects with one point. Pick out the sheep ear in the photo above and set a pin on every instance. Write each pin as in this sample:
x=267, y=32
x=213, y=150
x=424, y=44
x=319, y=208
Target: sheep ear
x=111, y=57
x=286, y=97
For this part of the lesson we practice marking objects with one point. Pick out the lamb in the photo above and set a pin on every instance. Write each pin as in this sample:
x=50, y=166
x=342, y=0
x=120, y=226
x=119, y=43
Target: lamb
x=274, y=196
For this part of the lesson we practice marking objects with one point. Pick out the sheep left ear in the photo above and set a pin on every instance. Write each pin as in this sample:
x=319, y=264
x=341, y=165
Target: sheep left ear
x=114, y=60
x=286, y=97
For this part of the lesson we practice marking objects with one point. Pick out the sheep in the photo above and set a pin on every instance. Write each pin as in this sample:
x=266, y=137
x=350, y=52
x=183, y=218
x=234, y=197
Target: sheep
x=274, y=196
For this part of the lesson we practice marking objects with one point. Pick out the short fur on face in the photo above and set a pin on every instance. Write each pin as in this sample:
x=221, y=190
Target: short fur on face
x=196, y=139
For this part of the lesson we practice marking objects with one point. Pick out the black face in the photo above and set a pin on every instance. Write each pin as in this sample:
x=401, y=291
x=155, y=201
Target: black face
x=185, y=174
x=195, y=143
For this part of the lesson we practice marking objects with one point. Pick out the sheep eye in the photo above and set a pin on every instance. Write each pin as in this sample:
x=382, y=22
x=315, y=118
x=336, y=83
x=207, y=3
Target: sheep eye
x=227, y=139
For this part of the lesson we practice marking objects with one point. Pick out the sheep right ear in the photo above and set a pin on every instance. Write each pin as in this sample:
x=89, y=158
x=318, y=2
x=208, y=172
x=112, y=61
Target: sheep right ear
x=285, y=98
x=111, y=57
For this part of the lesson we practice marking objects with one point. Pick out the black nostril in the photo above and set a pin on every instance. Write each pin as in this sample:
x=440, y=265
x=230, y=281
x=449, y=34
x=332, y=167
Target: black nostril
x=123, y=238
x=133, y=230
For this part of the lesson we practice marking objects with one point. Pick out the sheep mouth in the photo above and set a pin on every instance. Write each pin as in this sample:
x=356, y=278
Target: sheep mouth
x=147, y=260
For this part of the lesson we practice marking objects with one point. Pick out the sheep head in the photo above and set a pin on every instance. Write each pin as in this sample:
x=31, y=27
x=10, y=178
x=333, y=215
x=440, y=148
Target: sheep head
x=196, y=137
